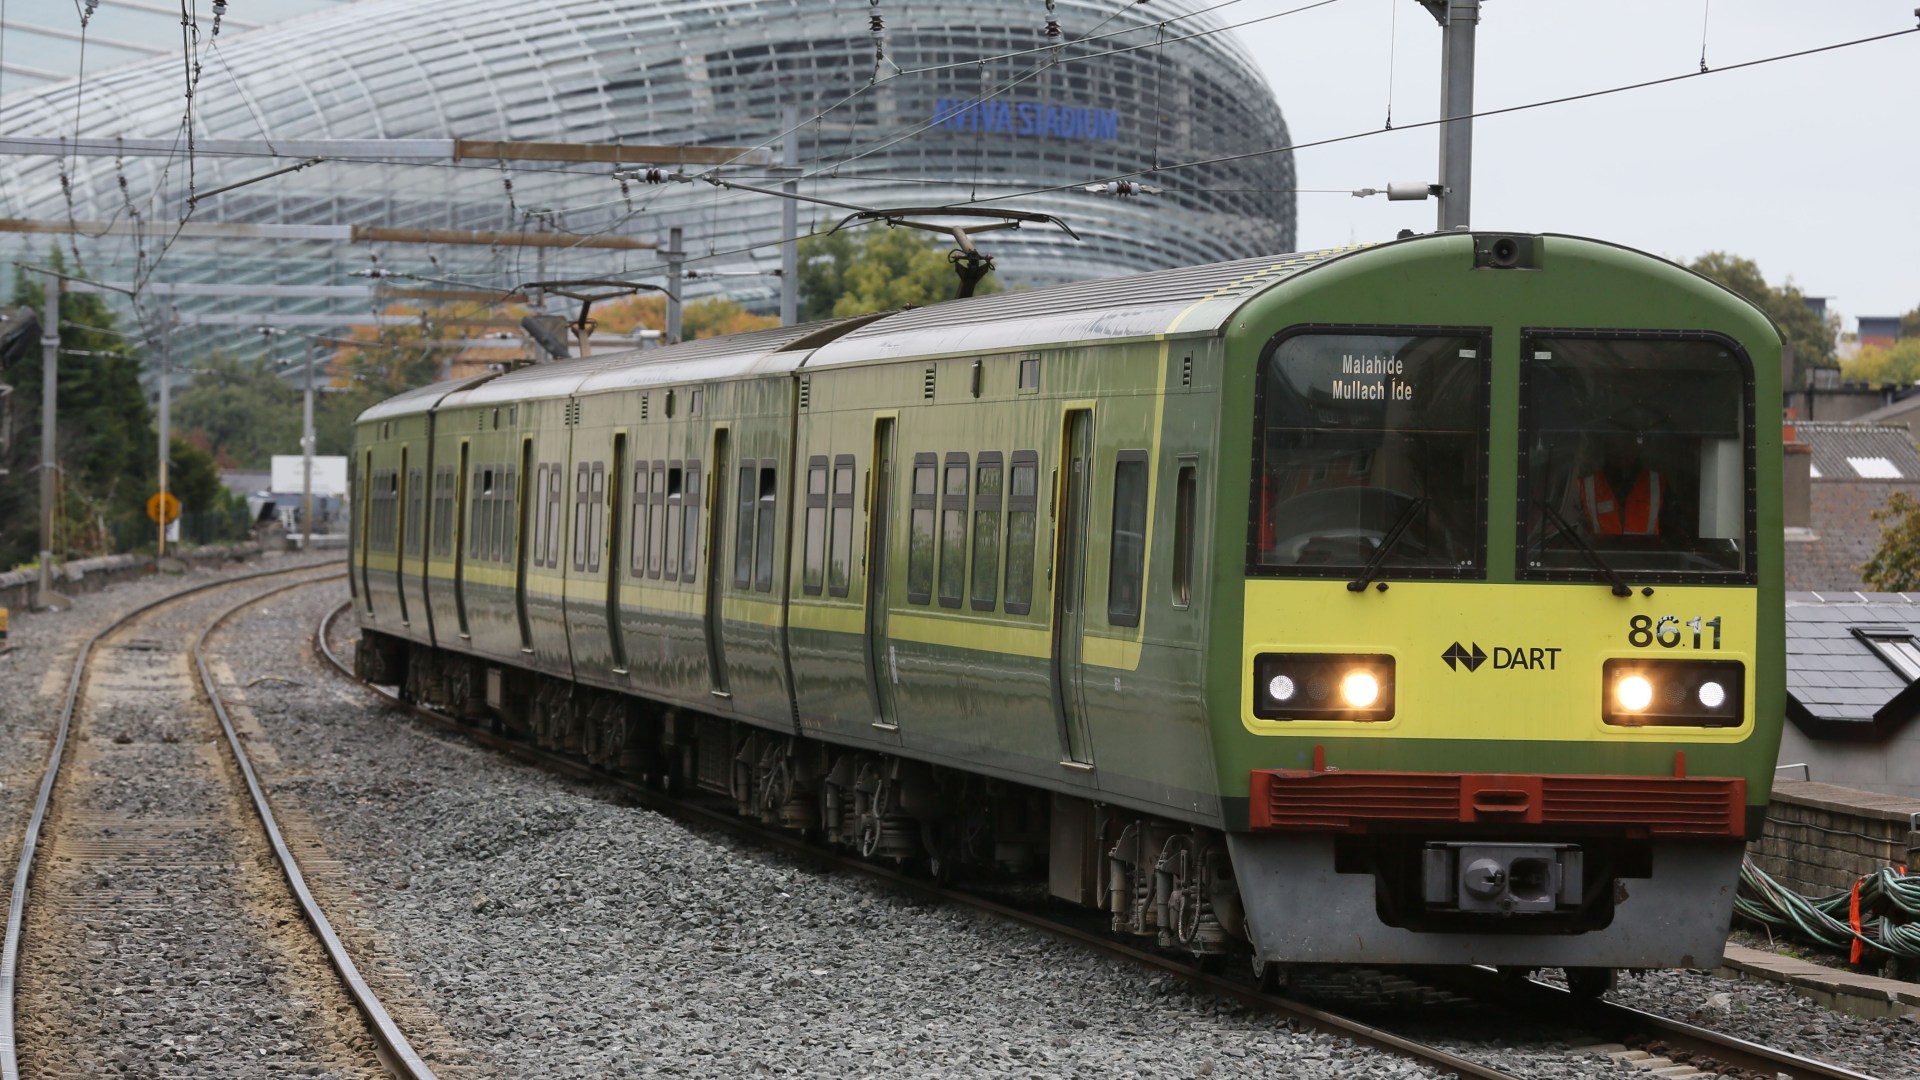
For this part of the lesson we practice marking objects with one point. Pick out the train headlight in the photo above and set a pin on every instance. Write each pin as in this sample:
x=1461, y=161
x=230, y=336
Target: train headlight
x=1360, y=689
x=1323, y=686
x=1639, y=692
x=1633, y=693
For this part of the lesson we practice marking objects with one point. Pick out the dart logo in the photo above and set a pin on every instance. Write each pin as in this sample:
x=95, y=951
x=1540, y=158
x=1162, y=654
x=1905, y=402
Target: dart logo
x=1455, y=656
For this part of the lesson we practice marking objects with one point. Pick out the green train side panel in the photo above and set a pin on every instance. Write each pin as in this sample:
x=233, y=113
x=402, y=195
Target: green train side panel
x=1513, y=720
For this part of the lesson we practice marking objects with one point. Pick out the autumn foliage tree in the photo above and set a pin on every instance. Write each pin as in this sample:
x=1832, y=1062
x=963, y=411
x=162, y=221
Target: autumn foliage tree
x=1895, y=566
x=1811, y=337
x=711, y=317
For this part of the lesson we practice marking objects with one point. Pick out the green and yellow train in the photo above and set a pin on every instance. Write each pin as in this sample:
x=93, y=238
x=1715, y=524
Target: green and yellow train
x=1416, y=603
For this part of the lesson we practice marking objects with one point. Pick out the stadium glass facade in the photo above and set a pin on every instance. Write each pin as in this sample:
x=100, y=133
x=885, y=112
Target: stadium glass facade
x=1131, y=87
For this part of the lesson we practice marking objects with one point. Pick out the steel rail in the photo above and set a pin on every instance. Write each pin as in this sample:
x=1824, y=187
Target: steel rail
x=30, y=841
x=1698, y=1042
x=396, y=1052
x=1307, y=1015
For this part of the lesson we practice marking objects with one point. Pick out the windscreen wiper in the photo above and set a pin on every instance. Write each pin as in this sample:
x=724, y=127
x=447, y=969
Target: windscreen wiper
x=1392, y=537
x=1580, y=543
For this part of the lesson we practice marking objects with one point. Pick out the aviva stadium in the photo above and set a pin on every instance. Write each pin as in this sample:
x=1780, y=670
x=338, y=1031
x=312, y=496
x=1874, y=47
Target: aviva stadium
x=948, y=102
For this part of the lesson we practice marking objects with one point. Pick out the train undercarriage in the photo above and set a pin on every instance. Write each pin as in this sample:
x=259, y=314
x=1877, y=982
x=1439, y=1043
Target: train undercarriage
x=1170, y=883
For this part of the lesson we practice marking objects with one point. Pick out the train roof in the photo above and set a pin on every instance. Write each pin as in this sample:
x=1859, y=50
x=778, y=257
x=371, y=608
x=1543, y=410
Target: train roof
x=757, y=352
x=420, y=399
x=1185, y=300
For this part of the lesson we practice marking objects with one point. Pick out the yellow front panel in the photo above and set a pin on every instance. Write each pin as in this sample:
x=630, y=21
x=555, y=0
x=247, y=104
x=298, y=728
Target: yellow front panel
x=1544, y=647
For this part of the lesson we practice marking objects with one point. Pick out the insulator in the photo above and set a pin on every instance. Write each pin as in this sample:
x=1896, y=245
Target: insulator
x=219, y=10
x=656, y=176
x=1053, y=27
x=876, y=23
x=87, y=14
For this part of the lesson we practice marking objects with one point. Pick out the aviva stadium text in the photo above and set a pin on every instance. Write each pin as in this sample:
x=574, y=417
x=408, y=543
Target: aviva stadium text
x=1032, y=119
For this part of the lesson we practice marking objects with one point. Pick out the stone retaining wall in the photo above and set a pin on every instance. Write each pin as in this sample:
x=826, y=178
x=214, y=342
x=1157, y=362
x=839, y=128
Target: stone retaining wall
x=90, y=575
x=1820, y=838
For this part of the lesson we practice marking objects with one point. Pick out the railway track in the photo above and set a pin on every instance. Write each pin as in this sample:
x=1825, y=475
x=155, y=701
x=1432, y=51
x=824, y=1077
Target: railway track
x=145, y=887
x=1653, y=1044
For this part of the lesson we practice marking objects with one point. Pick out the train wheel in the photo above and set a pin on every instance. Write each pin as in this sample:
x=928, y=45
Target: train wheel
x=1589, y=982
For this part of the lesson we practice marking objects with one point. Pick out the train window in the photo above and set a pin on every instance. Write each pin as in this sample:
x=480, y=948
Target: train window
x=676, y=507
x=477, y=514
x=637, y=533
x=657, y=539
x=1185, y=488
x=814, y=577
x=1635, y=459
x=416, y=509
x=696, y=403
x=743, y=527
x=1023, y=491
x=839, y=565
x=920, y=530
x=1410, y=405
x=597, y=516
x=953, y=531
x=690, y=525
x=556, y=485
x=1030, y=373
x=509, y=502
x=987, y=480
x=1126, y=554
x=582, y=484
x=764, y=528
x=539, y=533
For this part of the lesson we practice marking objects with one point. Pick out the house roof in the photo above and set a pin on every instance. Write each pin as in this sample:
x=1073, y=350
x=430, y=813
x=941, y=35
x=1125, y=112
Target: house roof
x=1857, y=451
x=1842, y=651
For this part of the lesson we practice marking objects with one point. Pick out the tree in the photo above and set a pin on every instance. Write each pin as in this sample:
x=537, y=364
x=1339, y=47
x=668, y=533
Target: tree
x=1809, y=335
x=1895, y=566
x=711, y=317
x=192, y=477
x=105, y=445
x=1897, y=366
x=242, y=411
x=1910, y=324
x=845, y=273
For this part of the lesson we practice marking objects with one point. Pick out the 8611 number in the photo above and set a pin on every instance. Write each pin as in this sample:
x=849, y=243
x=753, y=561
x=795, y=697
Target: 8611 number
x=1645, y=630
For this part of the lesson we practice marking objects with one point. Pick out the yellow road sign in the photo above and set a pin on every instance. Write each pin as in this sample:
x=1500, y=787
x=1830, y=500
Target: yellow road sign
x=163, y=507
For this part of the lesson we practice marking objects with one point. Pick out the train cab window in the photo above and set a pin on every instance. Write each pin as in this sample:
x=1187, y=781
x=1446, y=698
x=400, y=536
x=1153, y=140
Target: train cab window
x=1127, y=551
x=920, y=530
x=1185, y=490
x=1372, y=455
x=813, y=579
x=690, y=524
x=749, y=489
x=953, y=531
x=657, y=537
x=987, y=489
x=764, y=529
x=676, y=507
x=1023, y=491
x=840, y=563
x=1635, y=458
x=637, y=533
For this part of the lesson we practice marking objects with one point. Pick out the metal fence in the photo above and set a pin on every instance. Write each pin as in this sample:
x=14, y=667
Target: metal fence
x=137, y=532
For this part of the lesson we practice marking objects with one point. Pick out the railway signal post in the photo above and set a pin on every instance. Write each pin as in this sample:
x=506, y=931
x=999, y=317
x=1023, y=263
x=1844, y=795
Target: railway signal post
x=44, y=596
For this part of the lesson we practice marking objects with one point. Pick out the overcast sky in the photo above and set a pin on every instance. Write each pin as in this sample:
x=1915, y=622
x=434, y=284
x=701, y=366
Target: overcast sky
x=1810, y=166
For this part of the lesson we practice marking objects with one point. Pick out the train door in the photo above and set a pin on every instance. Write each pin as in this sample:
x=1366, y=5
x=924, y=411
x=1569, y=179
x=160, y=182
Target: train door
x=616, y=640
x=528, y=502
x=880, y=669
x=427, y=496
x=715, y=568
x=364, y=515
x=1069, y=607
x=460, y=542
x=402, y=499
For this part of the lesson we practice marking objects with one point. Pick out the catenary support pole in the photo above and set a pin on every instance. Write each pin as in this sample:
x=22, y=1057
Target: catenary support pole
x=676, y=261
x=1458, y=19
x=790, y=221
x=166, y=425
x=306, y=452
x=49, y=389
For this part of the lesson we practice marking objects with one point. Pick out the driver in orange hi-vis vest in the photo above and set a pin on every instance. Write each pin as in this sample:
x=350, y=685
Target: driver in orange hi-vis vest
x=1623, y=497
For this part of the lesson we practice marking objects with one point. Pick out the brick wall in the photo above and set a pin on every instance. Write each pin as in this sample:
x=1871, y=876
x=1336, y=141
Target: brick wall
x=1820, y=838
